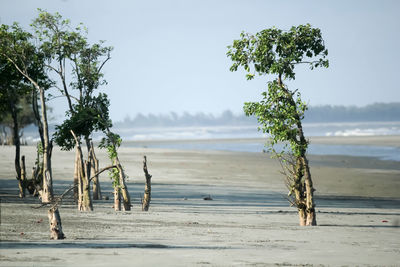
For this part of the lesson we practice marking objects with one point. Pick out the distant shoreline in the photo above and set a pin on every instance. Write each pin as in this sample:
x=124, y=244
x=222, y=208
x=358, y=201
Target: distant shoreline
x=376, y=140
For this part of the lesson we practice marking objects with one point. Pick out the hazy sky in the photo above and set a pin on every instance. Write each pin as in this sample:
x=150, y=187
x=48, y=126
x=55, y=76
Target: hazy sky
x=171, y=55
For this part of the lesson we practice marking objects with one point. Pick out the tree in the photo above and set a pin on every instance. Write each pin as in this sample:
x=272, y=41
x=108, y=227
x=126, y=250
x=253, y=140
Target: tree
x=17, y=48
x=117, y=174
x=280, y=112
x=64, y=44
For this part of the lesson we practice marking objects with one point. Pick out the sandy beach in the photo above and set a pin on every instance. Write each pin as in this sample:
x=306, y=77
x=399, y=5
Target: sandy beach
x=248, y=222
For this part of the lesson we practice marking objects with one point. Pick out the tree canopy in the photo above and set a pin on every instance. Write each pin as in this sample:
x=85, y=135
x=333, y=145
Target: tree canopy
x=64, y=45
x=274, y=51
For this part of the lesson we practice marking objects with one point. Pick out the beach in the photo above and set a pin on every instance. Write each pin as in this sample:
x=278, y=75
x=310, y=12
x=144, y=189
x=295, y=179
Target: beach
x=248, y=222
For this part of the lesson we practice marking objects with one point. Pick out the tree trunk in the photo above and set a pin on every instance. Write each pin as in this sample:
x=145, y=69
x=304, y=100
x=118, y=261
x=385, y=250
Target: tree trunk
x=23, y=181
x=302, y=216
x=147, y=188
x=310, y=206
x=304, y=196
x=35, y=109
x=47, y=193
x=96, y=181
x=80, y=186
x=35, y=184
x=117, y=199
x=95, y=169
x=84, y=199
x=123, y=188
x=55, y=224
x=76, y=176
x=16, y=142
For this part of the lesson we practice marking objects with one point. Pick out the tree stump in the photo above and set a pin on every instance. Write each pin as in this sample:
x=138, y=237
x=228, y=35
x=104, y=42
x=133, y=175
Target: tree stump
x=55, y=224
x=117, y=199
x=147, y=188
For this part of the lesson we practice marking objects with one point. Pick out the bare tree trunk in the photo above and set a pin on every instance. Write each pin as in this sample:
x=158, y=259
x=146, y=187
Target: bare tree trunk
x=302, y=216
x=35, y=109
x=123, y=188
x=22, y=181
x=84, y=199
x=96, y=182
x=16, y=142
x=95, y=169
x=298, y=191
x=47, y=194
x=147, y=188
x=35, y=184
x=55, y=224
x=310, y=205
x=80, y=184
x=117, y=199
x=76, y=176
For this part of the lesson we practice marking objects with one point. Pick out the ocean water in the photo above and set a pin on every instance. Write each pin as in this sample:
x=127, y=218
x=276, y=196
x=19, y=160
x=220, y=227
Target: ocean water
x=380, y=152
x=250, y=131
x=199, y=133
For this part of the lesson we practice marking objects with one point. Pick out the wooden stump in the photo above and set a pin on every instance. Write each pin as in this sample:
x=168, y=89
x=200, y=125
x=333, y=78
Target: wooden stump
x=55, y=224
x=117, y=199
x=147, y=188
x=95, y=169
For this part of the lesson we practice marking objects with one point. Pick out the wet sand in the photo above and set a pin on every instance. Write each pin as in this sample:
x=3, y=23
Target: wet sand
x=248, y=222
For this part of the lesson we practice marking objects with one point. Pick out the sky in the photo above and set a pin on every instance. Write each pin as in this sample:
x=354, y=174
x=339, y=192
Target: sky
x=171, y=55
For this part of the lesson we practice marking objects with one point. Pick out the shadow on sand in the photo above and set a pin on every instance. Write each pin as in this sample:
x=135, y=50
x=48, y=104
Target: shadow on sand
x=97, y=245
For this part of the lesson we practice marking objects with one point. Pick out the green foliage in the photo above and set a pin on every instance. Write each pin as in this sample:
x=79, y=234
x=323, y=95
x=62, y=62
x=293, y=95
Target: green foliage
x=273, y=51
x=17, y=47
x=39, y=149
x=87, y=67
x=86, y=119
x=114, y=177
x=57, y=39
x=20, y=64
x=63, y=44
x=14, y=95
x=279, y=116
x=111, y=143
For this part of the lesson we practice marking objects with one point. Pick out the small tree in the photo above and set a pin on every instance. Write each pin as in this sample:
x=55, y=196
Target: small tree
x=117, y=174
x=65, y=45
x=17, y=48
x=280, y=112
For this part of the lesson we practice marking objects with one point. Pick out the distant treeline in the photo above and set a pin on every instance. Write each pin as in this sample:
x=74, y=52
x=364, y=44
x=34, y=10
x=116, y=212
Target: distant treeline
x=373, y=112
x=327, y=113
x=186, y=119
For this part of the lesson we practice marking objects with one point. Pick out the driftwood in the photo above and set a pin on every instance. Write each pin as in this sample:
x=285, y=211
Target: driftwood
x=147, y=188
x=55, y=224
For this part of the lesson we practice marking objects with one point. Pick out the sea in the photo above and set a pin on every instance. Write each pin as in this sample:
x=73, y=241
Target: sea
x=198, y=138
